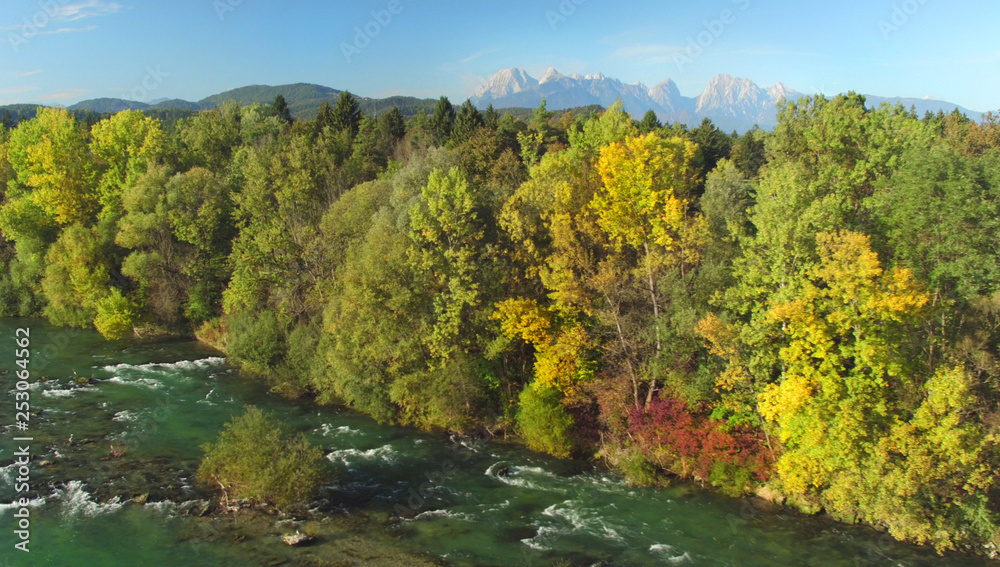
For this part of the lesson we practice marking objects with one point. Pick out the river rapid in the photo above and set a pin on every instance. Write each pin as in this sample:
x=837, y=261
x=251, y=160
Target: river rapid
x=400, y=497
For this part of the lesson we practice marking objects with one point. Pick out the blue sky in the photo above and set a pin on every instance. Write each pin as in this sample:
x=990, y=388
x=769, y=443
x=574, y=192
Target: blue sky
x=64, y=51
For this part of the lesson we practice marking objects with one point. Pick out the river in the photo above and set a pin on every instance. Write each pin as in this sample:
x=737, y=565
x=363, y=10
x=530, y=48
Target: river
x=400, y=496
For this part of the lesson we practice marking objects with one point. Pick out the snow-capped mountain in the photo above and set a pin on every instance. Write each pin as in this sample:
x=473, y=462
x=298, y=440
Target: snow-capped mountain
x=731, y=103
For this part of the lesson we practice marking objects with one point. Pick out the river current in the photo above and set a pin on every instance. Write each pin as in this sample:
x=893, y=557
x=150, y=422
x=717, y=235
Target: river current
x=117, y=429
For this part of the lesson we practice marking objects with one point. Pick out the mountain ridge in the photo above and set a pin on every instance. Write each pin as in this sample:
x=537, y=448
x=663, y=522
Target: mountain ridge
x=732, y=103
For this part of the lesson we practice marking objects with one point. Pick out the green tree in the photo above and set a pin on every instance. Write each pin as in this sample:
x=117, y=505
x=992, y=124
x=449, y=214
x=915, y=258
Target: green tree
x=490, y=118
x=847, y=366
x=76, y=277
x=280, y=109
x=256, y=459
x=445, y=232
x=442, y=121
x=468, y=120
x=649, y=123
x=347, y=114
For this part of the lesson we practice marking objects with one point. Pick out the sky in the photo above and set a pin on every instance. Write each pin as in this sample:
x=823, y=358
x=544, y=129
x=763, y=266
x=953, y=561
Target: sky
x=59, y=52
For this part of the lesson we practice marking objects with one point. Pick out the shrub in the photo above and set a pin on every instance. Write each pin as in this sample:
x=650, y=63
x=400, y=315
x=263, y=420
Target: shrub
x=544, y=422
x=115, y=316
x=683, y=442
x=256, y=459
x=256, y=341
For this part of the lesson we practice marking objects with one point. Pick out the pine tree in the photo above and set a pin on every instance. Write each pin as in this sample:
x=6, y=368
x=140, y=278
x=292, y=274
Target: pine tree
x=281, y=110
x=491, y=120
x=347, y=114
x=442, y=121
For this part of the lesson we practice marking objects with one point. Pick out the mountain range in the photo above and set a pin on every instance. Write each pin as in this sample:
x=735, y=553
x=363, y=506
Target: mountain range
x=731, y=103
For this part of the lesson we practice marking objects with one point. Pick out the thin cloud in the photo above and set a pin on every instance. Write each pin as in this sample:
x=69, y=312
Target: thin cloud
x=479, y=54
x=27, y=74
x=17, y=90
x=79, y=11
x=64, y=95
x=67, y=13
x=67, y=30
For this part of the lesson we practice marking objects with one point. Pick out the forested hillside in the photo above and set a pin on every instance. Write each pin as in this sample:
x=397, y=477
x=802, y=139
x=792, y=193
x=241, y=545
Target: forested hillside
x=812, y=314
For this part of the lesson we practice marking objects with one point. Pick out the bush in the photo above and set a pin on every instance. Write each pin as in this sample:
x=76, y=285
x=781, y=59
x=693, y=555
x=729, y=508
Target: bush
x=255, y=459
x=115, y=316
x=544, y=422
x=681, y=441
x=257, y=342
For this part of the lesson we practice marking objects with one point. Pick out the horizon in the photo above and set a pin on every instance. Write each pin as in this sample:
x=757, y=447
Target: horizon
x=695, y=95
x=194, y=49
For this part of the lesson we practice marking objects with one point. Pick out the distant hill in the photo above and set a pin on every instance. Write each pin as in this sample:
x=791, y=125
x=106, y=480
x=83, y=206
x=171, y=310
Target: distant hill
x=19, y=112
x=108, y=105
x=176, y=104
x=298, y=93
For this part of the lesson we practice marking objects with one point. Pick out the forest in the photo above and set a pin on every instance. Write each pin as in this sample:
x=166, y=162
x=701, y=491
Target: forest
x=810, y=314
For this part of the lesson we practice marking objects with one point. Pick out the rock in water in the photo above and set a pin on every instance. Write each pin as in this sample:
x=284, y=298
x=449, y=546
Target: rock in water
x=297, y=538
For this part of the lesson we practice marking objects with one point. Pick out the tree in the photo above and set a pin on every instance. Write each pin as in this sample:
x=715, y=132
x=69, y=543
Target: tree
x=643, y=205
x=847, y=366
x=324, y=118
x=211, y=136
x=347, y=114
x=649, y=123
x=177, y=229
x=50, y=157
x=392, y=126
x=714, y=144
x=748, y=153
x=256, y=459
x=445, y=232
x=467, y=122
x=76, y=277
x=442, y=121
x=491, y=119
x=280, y=109
x=125, y=144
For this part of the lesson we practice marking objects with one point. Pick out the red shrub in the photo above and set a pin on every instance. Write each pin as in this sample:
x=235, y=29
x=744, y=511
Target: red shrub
x=687, y=443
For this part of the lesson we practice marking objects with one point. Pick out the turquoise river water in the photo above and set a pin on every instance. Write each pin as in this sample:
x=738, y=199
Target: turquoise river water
x=400, y=497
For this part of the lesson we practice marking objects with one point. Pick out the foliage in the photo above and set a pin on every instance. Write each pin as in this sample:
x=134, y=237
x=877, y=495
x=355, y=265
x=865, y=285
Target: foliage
x=116, y=316
x=544, y=422
x=255, y=459
x=817, y=306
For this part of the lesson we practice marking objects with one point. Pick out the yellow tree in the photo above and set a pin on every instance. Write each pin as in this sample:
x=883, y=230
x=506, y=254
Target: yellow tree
x=643, y=204
x=846, y=364
x=50, y=159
